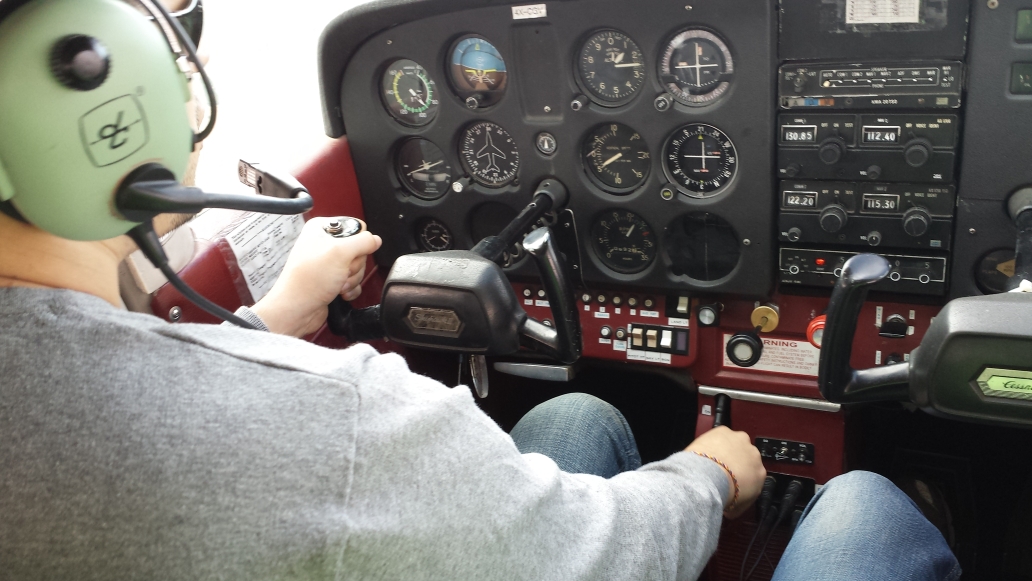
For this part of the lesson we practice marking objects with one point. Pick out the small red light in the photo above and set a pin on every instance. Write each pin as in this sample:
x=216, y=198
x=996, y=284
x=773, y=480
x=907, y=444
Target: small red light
x=819, y=261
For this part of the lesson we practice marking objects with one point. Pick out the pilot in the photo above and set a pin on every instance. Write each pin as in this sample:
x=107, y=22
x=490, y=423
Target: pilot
x=131, y=448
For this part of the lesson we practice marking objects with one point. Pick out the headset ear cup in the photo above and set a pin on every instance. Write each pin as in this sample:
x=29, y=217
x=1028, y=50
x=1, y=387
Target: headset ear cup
x=65, y=149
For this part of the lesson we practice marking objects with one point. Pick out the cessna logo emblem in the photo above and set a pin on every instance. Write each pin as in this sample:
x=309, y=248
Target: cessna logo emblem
x=113, y=131
x=1007, y=383
x=442, y=322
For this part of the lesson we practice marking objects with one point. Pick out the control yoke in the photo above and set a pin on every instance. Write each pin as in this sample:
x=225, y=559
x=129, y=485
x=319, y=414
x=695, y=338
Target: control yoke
x=948, y=374
x=460, y=300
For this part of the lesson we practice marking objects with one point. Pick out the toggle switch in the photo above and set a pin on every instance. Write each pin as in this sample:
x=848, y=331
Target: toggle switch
x=651, y=338
x=636, y=337
x=682, y=305
x=666, y=339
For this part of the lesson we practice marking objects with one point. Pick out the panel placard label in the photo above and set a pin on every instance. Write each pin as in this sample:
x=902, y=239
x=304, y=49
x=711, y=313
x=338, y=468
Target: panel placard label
x=529, y=11
x=789, y=356
x=883, y=11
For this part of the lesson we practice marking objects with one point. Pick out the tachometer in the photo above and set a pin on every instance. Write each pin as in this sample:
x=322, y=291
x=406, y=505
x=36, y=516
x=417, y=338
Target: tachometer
x=623, y=241
x=700, y=159
x=409, y=93
x=423, y=169
x=616, y=157
x=611, y=68
x=696, y=67
x=478, y=72
x=489, y=154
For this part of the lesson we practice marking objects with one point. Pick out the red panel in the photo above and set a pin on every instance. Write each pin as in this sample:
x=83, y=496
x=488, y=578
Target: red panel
x=331, y=180
x=825, y=430
x=594, y=316
x=212, y=276
x=795, y=314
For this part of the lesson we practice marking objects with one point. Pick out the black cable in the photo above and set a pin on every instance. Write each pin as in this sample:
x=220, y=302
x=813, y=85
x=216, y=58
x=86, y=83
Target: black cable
x=191, y=55
x=766, y=498
x=150, y=245
x=792, y=492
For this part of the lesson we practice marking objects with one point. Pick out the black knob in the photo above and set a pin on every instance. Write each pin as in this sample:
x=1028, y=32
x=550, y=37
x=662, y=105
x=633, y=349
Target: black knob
x=80, y=62
x=744, y=349
x=792, y=169
x=874, y=172
x=874, y=238
x=916, y=221
x=473, y=101
x=799, y=83
x=794, y=234
x=917, y=151
x=833, y=218
x=831, y=150
x=663, y=102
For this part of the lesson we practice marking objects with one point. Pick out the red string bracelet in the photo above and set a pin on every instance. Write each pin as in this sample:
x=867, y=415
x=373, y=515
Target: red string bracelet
x=734, y=480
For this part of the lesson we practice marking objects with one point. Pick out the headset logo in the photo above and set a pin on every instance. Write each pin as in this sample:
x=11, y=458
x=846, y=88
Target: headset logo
x=114, y=130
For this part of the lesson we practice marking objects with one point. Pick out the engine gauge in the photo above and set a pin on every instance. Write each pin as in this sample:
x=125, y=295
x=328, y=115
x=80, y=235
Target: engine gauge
x=433, y=236
x=616, y=157
x=610, y=68
x=623, y=241
x=489, y=154
x=700, y=159
x=409, y=93
x=696, y=67
x=478, y=72
x=423, y=169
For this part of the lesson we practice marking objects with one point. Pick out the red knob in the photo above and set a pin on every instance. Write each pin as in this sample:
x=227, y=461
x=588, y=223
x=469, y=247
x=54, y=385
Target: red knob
x=815, y=331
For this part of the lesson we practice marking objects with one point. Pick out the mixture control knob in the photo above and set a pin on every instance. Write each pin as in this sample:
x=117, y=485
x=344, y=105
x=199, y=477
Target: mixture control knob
x=916, y=221
x=80, y=62
x=744, y=349
x=917, y=151
x=833, y=218
x=831, y=150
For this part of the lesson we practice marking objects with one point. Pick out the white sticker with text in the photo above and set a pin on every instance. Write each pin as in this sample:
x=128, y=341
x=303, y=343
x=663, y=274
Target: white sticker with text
x=529, y=11
x=783, y=356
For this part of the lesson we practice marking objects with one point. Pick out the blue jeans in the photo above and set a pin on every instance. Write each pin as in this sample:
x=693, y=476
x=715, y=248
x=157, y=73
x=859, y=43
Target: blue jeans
x=859, y=526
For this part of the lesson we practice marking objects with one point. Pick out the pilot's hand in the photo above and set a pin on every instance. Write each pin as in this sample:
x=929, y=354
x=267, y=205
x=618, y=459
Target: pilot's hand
x=319, y=268
x=735, y=449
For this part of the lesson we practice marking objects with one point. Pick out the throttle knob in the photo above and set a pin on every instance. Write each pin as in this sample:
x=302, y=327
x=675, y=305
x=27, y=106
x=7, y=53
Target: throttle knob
x=916, y=222
x=744, y=349
x=917, y=152
x=80, y=62
x=833, y=218
x=831, y=150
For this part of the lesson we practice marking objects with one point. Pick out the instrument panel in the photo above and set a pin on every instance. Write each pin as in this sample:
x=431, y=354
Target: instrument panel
x=656, y=118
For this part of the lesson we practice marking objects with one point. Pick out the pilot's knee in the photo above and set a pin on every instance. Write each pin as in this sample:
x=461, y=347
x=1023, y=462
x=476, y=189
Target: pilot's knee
x=858, y=482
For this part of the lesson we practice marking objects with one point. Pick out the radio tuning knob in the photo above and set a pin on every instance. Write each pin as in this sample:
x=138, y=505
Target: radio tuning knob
x=917, y=152
x=831, y=150
x=916, y=221
x=874, y=172
x=792, y=169
x=833, y=218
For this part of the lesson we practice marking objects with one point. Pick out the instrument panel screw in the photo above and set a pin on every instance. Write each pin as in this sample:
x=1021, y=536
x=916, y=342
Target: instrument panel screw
x=972, y=231
x=548, y=109
x=401, y=216
x=746, y=242
x=993, y=4
x=390, y=42
x=688, y=7
x=174, y=314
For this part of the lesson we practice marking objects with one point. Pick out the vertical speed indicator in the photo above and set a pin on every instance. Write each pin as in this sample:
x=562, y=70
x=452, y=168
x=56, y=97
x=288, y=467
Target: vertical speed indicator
x=700, y=159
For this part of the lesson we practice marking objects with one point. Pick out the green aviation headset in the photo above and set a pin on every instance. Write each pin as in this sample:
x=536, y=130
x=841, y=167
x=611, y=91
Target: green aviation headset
x=94, y=131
